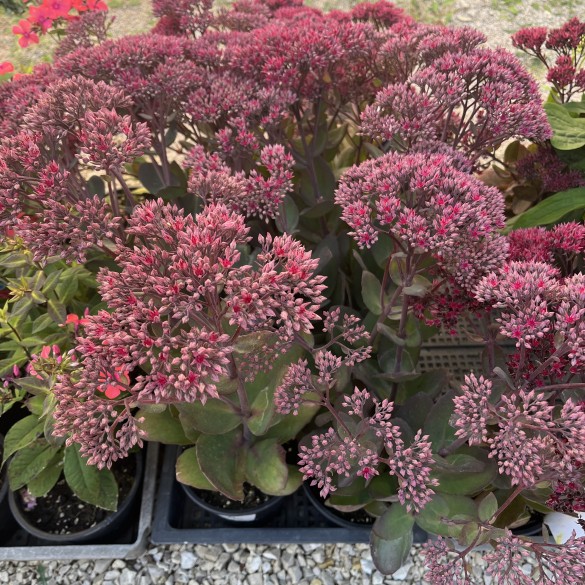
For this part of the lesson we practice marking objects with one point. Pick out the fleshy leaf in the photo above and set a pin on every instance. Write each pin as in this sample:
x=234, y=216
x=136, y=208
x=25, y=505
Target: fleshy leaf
x=212, y=418
x=222, y=461
x=189, y=472
x=162, y=427
x=391, y=539
x=266, y=468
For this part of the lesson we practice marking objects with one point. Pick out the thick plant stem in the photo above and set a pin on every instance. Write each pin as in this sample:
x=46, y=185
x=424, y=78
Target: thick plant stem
x=308, y=155
x=245, y=410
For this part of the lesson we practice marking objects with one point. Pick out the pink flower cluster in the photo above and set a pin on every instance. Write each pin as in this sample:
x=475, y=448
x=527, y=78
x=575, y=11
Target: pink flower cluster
x=506, y=561
x=471, y=98
x=546, y=169
x=44, y=197
x=350, y=451
x=212, y=180
x=566, y=73
x=164, y=339
x=531, y=438
x=424, y=203
x=565, y=242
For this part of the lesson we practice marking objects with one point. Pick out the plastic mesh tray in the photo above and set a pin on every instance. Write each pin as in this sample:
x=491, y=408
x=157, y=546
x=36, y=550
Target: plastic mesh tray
x=177, y=519
x=458, y=361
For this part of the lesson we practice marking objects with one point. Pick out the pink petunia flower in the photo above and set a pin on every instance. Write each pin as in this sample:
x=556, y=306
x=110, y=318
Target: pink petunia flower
x=57, y=8
x=27, y=35
x=6, y=67
x=39, y=15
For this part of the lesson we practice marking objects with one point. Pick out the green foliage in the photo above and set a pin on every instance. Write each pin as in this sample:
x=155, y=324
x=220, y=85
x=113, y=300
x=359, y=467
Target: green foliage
x=568, y=140
x=90, y=484
x=552, y=209
x=391, y=539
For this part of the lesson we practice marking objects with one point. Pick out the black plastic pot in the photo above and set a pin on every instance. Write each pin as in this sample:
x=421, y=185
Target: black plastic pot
x=105, y=529
x=6, y=519
x=331, y=514
x=247, y=516
x=532, y=528
x=177, y=519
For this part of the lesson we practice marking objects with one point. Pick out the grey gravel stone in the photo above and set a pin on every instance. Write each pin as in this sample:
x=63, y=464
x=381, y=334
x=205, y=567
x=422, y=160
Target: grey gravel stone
x=255, y=579
x=188, y=560
x=295, y=574
x=402, y=573
x=127, y=577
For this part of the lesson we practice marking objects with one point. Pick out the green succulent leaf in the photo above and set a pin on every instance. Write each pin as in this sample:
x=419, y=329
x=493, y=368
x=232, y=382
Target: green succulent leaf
x=262, y=411
x=466, y=472
x=487, y=507
x=222, y=461
x=212, y=418
x=446, y=506
x=189, y=472
x=162, y=427
x=266, y=468
x=391, y=539
x=437, y=425
x=371, y=289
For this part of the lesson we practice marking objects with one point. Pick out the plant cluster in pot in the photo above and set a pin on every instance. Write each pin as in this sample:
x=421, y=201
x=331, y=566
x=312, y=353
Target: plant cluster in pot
x=53, y=494
x=350, y=154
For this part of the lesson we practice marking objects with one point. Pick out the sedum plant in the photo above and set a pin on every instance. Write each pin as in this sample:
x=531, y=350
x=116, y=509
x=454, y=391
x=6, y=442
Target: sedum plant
x=190, y=327
x=280, y=208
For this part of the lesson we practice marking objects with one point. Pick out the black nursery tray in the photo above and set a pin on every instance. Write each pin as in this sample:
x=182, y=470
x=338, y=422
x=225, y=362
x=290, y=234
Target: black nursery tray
x=127, y=545
x=178, y=520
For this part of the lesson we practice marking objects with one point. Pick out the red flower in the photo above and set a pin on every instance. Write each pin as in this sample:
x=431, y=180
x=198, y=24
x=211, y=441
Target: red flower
x=83, y=5
x=110, y=387
x=39, y=15
x=28, y=36
x=6, y=67
x=57, y=8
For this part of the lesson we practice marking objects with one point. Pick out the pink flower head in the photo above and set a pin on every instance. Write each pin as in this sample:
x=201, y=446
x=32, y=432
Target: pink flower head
x=6, y=67
x=530, y=39
x=26, y=32
x=530, y=244
x=179, y=284
x=568, y=37
x=47, y=352
x=472, y=100
x=423, y=201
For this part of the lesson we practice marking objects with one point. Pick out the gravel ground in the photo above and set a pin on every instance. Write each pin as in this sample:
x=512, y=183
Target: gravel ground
x=309, y=564
x=294, y=564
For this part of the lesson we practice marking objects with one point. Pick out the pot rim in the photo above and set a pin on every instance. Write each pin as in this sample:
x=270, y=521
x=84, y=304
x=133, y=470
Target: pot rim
x=190, y=491
x=328, y=513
